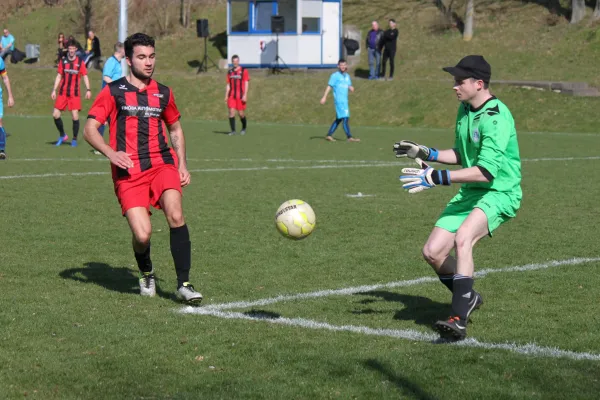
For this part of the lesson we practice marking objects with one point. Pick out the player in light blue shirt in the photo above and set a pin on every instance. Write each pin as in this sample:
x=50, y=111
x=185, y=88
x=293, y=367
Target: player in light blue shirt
x=7, y=44
x=341, y=84
x=112, y=70
x=11, y=102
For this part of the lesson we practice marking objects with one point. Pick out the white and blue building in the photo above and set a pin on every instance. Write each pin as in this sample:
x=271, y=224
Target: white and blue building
x=312, y=37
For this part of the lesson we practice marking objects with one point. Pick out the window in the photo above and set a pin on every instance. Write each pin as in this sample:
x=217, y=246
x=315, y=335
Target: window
x=262, y=15
x=287, y=9
x=238, y=16
x=311, y=16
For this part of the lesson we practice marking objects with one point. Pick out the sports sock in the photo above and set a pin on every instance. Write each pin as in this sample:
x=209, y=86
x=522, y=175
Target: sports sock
x=59, y=126
x=181, y=250
x=243, y=119
x=75, y=128
x=334, y=126
x=461, y=296
x=2, y=138
x=448, y=281
x=346, y=126
x=232, y=123
x=143, y=260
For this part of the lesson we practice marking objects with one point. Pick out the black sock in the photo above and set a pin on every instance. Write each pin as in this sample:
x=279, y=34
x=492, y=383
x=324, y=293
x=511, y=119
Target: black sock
x=75, y=128
x=448, y=281
x=143, y=260
x=181, y=250
x=243, y=119
x=59, y=125
x=461, y=296
x=232, y=123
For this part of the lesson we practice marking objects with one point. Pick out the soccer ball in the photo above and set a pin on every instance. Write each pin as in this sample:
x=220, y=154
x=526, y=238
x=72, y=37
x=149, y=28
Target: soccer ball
x=295, y=219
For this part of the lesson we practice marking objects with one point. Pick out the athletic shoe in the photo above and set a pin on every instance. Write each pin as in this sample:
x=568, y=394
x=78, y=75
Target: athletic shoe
x=453, y=328
x=232, y=133
x=352, y=139
x=2, y=155
x=62, y=139
x=243, y=132
x=475, y=303
x=74, y=143
x=148, y=284
x=329, y=138
x=188, y=294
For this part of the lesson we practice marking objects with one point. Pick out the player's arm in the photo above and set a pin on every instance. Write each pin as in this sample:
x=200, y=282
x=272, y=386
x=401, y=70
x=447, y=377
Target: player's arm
x=178, y=143
x=227, y=91
x=56, y=83
x=406, y=148
x=416, y=180
x=324, y=98
x=88, y=90
x=11, y=100
x=246, y=86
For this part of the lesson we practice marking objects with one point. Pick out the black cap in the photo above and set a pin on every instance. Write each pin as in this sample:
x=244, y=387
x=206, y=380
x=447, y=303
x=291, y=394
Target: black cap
x=471, y=67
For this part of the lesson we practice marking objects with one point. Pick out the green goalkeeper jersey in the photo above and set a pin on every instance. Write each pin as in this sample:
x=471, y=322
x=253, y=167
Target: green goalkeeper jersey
x=486, y=137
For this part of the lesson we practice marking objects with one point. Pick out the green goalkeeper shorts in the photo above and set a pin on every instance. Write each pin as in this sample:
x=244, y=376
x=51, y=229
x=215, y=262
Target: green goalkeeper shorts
x=499, y=207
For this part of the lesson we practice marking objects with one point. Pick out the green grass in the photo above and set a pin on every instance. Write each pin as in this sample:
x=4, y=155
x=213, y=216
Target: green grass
x=74, y=327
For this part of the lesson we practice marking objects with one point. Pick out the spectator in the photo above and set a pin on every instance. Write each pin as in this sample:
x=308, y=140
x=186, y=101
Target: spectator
x=111, y=72
x=7, y=44
x=374, y=45
x=92, y=48
x=389, y=48
x=62, y=47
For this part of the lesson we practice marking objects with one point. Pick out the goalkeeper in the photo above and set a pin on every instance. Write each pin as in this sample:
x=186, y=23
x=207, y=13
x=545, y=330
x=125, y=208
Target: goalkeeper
x=486, y=147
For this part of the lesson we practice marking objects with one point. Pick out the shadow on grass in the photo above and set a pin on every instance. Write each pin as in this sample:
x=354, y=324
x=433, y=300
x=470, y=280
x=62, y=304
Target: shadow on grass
x=421, y=310
x=362, y=73
x=221, y=132
x=407, y=386
x=117, y=279
x=262, y=314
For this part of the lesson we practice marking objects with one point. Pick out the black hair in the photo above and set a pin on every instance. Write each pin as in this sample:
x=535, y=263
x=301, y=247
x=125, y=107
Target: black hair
x=342, y=60
x=392, y=20
x=71, y=43
x=234, y=57
x=137, y=39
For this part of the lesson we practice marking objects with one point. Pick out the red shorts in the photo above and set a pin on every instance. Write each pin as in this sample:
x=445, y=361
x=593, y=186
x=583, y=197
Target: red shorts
x=238, y=104
x=72, y=103
x=146, y=188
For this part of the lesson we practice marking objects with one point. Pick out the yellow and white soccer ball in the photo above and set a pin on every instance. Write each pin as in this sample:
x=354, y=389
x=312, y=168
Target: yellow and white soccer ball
x=295, y=219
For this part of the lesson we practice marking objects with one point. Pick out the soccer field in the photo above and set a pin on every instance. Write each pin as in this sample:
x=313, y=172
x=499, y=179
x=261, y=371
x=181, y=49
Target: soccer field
x=345, y=313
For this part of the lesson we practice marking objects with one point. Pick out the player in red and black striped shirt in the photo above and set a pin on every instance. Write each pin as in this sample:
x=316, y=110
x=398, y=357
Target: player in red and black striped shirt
x=146, y=171
x=70, y=70
x=237, y=93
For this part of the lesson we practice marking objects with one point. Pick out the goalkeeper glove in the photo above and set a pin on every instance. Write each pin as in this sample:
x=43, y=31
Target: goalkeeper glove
x=418, y=179
x=406, y=148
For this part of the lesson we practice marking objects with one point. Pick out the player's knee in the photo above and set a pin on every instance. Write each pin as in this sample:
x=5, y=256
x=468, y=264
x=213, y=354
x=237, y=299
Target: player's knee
x=142, y=236
x=175, y=218
x=56, y=114
x=463, y=240
x=432, y=254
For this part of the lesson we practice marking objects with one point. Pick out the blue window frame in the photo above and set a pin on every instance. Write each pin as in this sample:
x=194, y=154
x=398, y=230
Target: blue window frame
x=259, y=18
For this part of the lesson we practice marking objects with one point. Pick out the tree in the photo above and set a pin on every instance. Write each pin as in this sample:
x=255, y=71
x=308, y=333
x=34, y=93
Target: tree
x=184, y=12
x=469, y=13
x=86, y=10
x=596, y=14
x=577, y=11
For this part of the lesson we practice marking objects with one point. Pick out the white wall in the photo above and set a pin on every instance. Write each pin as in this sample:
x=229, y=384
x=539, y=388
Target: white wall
x=293, y=49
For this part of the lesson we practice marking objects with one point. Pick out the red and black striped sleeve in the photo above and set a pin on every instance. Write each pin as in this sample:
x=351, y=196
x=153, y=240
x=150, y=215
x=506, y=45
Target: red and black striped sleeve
x=171, y=114
x=103, y=106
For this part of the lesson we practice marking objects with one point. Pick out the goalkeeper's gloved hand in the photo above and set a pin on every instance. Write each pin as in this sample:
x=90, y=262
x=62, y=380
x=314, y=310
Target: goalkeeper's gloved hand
x=406, y=148
x=418, y=179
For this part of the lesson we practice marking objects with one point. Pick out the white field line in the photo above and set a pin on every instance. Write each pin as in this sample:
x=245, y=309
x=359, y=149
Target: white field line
x=411, y=282
x=360, y=127
x=289, y=160
x=530, y=349
x=280, y=167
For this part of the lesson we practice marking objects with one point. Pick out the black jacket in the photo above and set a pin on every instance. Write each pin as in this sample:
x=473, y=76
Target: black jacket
x=96, y=47
x=389, y=39
x=378, y=39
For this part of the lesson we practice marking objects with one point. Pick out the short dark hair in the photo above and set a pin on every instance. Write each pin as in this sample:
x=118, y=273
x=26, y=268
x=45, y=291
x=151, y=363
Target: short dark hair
x=392, y=20
x=341, y=60
x=71, y=43
x=137, y=39
x=234, y=57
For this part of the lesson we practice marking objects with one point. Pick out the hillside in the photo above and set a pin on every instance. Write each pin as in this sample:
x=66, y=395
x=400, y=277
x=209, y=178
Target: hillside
x=521, y=39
